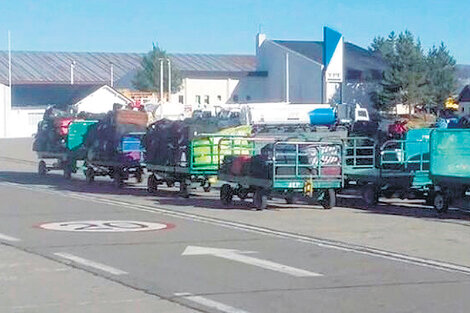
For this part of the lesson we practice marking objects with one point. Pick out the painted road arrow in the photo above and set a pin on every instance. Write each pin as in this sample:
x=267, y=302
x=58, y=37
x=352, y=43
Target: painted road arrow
x=238, y=256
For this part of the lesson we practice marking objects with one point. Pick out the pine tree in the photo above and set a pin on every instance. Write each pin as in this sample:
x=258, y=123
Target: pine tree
x=441, y=76
x=411, y=77
x=148, y=77
x=404, y=79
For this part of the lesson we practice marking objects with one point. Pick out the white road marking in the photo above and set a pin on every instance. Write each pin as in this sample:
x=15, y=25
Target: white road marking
x=236, y=255
x=89, y=263
x=210, y=303
x=325, y=243
x=8, y=238
x=103, y=226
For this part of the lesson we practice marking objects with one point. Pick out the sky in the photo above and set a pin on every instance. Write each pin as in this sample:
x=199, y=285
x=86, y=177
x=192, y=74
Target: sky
x=224, y=26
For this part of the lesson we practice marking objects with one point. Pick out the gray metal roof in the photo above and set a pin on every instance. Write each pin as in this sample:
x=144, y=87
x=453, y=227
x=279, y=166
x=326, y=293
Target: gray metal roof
x=358, y=61
x=94, y=67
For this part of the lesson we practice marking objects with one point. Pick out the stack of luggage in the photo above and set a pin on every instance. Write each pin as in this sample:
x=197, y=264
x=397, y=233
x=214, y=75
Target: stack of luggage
x=167, y=143
x=115, y=137
x=52, y=131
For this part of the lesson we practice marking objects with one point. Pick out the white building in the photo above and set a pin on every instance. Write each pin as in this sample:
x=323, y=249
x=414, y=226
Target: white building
x=30, y=101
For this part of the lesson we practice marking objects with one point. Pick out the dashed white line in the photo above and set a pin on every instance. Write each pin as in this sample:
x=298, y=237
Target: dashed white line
x=8, y=238
x=209, y=303
x=89, y=263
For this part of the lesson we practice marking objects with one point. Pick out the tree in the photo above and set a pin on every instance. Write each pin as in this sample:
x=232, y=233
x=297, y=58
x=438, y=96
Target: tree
x=405, y=76
x=441, y=76
x=148, y=77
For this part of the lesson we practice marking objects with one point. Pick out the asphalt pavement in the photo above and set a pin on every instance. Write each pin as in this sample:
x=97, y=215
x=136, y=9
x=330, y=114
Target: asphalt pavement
x=96, y=249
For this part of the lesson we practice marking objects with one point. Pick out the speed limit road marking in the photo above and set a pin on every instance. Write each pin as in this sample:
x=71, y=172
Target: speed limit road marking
x=105, y=226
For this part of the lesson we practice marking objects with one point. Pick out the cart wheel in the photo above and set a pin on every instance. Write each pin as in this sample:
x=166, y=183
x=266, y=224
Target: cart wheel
x=184, y=192
x=260, y=199
x=226, y=194
x=138, y=176
x=370, y=194
x=207, y=188
x=152, y=185
x=117, y=179
x=388, y=194
x=42, y=168
x=289, y=199
x=242, y=193
x=170, y=183
x=329, y=199
x=90, y=175
x=67, y=172
x=441, y=202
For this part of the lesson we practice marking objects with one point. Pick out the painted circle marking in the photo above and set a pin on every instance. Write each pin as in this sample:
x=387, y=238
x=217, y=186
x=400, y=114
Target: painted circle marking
x=105, y=226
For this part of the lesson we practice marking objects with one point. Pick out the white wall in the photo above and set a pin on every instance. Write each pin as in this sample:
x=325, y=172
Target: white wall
x=202, y=87
x=5, y=105
x=101, y=101
x=305, y=75
x=23, y=122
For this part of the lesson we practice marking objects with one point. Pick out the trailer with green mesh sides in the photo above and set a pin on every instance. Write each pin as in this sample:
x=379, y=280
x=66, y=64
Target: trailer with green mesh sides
x=74, y=151
x=396, y=168
x=201, y=167
x=450, y=168
x=290, y=170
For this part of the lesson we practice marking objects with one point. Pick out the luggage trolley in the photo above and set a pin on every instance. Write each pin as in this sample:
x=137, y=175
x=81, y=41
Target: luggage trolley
x=291, y=170
x=126, y=163
x=74, y=151
x=200, y=168
x=398, y=167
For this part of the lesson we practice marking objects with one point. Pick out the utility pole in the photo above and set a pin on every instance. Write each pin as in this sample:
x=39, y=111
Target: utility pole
x=287, y=77
x=5, y=111
x=169, y=80
x=72, y=67
x=161, y=79
x=112, y=74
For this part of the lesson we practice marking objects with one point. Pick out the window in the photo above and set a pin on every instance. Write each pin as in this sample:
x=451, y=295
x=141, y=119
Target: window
x=235, y=98
x=219, y=98
x=198, y=99
x=181, y=99
x=206, y=99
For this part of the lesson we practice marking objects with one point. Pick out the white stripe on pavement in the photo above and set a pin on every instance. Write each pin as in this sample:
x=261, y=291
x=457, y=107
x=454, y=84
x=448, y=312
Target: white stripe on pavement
x=8, y=238
x=89, y=263
x=209, y=303
x=325, y=243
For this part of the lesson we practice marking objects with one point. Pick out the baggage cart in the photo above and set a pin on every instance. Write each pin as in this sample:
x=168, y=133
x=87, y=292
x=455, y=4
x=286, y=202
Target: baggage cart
x=292, y=170
x=66, y=160
x=199, y=169
x=397, y=167
x=126, y=163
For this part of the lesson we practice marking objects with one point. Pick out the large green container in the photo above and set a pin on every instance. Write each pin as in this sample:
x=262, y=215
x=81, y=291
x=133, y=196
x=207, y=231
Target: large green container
x=77, y=133
x=450, y=155
x=417, y=143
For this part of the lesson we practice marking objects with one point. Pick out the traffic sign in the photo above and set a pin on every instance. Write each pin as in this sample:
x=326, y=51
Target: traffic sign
x=105, y=226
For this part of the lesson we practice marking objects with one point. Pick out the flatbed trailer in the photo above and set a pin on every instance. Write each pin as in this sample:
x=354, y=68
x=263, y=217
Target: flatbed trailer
x=304, y=170
x=119, y=168
x=50, y=161
x=200, y=169
x=397, y=167
x=66, y=160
